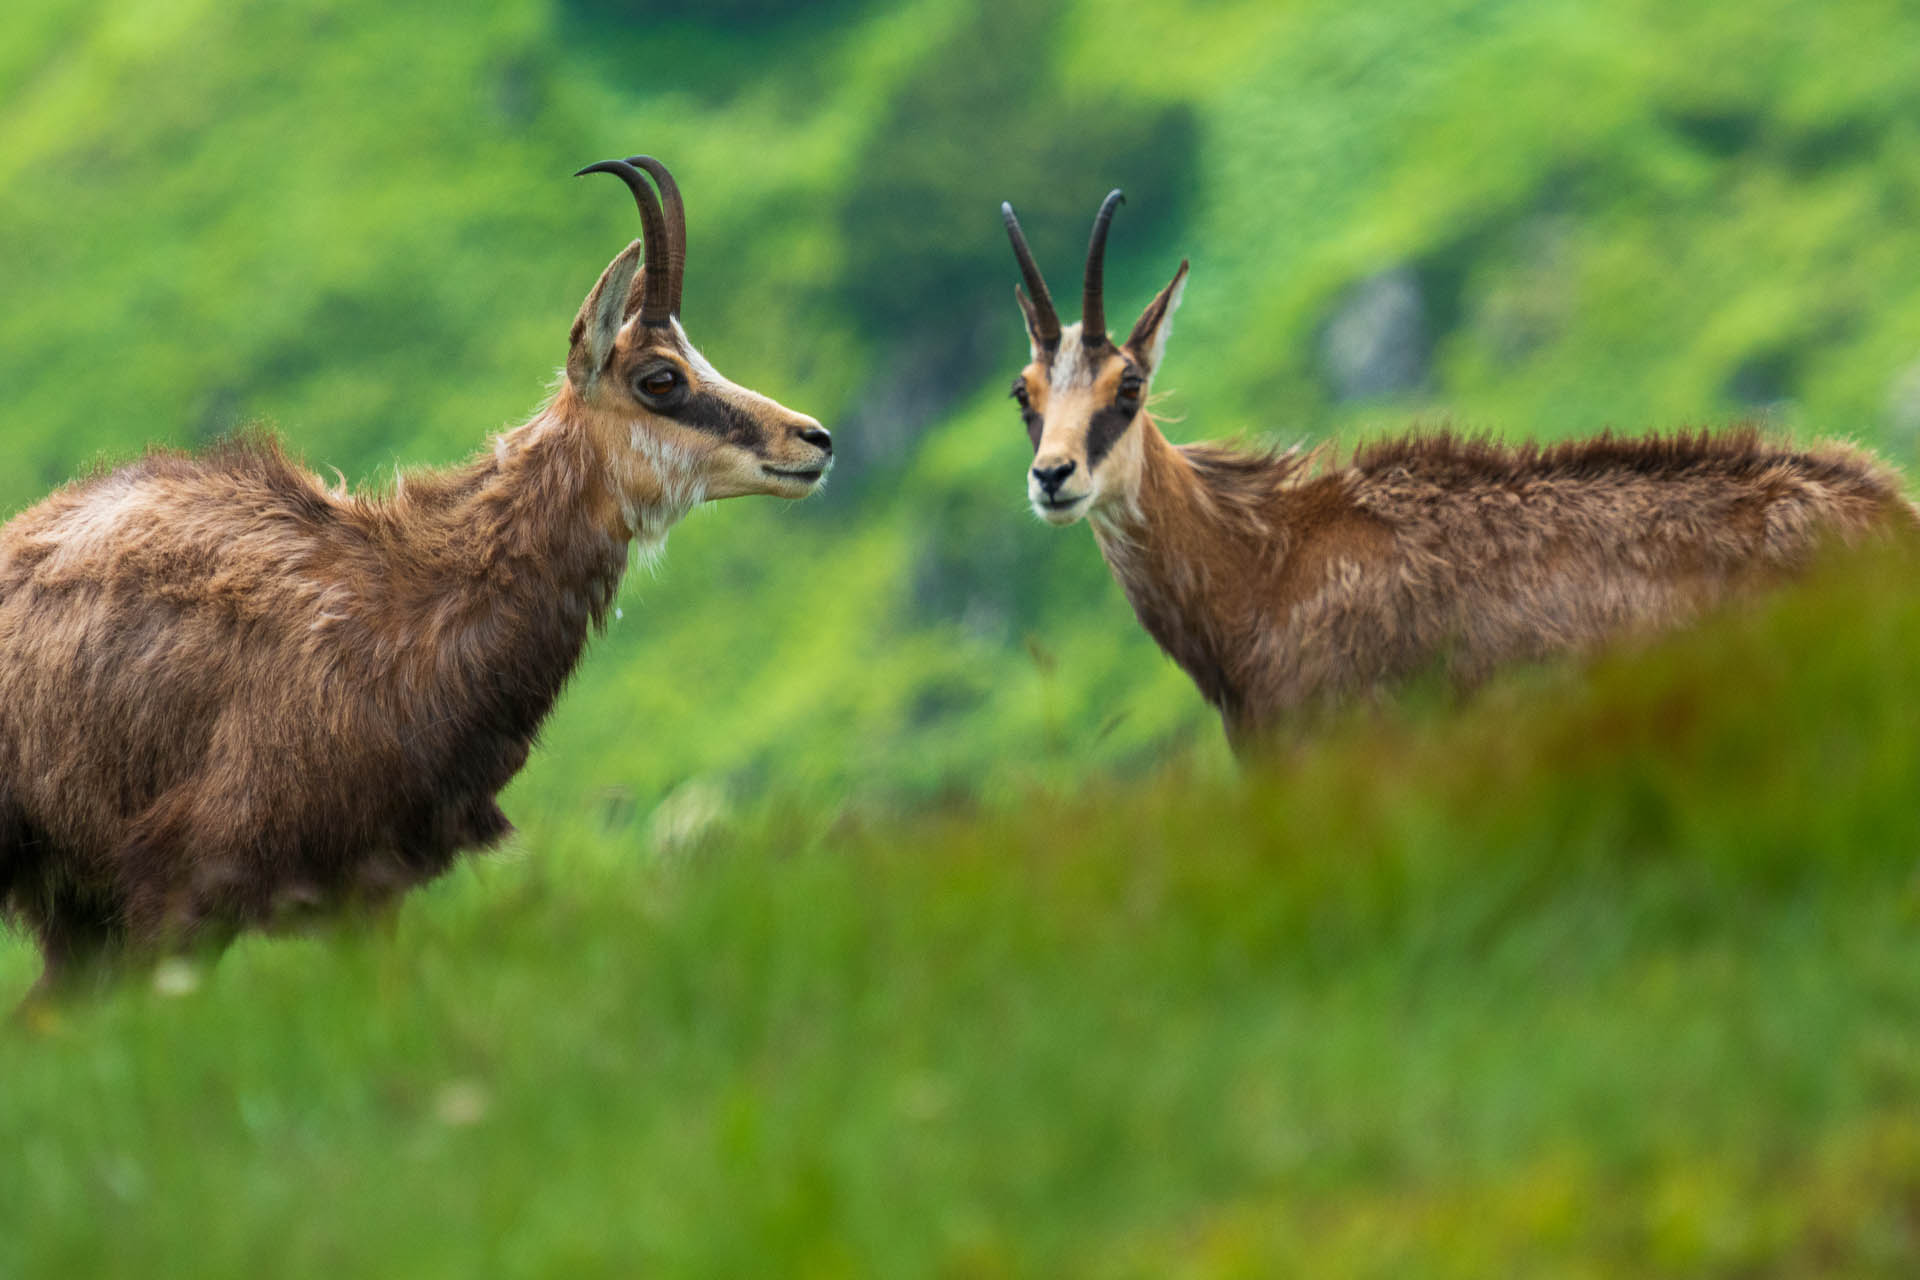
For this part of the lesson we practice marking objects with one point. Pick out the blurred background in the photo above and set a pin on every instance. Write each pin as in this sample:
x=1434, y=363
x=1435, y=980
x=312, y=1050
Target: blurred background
x=885, y=902
x=354, y=222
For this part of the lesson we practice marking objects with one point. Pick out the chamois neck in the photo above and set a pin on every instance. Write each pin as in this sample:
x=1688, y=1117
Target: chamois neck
x=542, y=502
x=1171, y=515
x=1180, y=550
x=519, y=554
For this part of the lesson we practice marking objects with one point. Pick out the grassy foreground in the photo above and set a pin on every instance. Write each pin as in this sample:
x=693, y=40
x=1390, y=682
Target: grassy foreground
x=1615, y=970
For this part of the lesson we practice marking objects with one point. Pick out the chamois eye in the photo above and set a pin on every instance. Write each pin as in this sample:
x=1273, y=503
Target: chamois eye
x=658, y=384
x=1019, y=393
x=1130, y=387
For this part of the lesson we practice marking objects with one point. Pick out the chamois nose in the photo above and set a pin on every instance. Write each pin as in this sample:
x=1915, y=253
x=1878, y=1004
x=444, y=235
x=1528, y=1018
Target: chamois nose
x=1051, y=478
x=818, y=438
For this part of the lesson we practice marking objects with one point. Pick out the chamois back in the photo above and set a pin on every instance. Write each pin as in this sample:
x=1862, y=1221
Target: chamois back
x=1284, y=582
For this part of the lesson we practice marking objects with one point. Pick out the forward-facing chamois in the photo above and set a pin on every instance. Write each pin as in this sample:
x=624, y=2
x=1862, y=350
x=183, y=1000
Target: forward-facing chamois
x=1283, y=581
x=232, y=695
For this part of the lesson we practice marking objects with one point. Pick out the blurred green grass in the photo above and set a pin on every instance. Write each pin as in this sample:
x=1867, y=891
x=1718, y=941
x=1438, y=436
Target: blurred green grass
x=1614, y=969
x=883, y=901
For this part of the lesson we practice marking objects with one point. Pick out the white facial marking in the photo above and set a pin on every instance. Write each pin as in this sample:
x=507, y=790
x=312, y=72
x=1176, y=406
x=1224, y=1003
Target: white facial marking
x=713, y=380
x=1070, y=367
x=682, y=488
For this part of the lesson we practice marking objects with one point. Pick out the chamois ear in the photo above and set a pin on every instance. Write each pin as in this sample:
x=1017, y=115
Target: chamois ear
x=600, y=318
x=1148, y=341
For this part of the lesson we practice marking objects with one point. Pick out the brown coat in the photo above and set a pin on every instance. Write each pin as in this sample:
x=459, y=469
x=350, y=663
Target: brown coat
x=1281, y=586
x=228, y=694
x=231, y=695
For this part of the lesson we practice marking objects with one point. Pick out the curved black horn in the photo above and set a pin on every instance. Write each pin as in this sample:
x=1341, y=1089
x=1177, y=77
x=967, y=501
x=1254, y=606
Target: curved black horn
x=1093, y=315
x=1047, y=320
x=676, y=225
x=655, y=299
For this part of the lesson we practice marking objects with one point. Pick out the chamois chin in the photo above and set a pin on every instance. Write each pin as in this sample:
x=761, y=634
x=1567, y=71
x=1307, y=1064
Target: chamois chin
x=1283, y=582
x=232, y=695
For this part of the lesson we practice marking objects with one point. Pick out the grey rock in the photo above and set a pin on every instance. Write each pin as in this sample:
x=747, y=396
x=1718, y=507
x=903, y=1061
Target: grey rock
x=1903, y=403
x=1377, y=342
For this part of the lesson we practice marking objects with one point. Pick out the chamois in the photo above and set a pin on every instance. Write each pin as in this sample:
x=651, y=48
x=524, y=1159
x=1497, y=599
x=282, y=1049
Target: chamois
x=233, y=696
x=1284, y=582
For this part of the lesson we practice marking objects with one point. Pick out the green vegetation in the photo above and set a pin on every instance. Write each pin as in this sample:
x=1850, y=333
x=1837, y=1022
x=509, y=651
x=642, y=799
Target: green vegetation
x=883, y=901
x=1614, y=965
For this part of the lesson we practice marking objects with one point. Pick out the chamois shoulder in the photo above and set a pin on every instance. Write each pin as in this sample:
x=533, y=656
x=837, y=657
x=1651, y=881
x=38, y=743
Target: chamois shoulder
x=248, y=464
x=171, y=519
x=1249, y=475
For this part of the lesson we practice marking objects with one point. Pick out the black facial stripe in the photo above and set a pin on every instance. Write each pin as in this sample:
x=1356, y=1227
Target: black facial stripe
x=704, y=411
x=1036, y=425
x=1105, y=430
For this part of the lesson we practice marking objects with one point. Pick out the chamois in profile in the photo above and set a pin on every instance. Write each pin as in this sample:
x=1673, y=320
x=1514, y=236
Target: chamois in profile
x=231, y=694
x=1283, y=582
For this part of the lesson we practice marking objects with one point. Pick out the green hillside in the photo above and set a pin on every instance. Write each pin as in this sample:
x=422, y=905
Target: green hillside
x=884, y=902
x=355, y=225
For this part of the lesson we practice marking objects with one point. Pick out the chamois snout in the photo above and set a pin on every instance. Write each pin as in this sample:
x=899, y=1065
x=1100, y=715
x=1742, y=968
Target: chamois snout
x=1053, y=487
x=800, y=457
x=1051, y=478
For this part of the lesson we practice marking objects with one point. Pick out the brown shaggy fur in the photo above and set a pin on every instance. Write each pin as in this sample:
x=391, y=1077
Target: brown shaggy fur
x=228, y=695
x=1280, y=585
x=232, y=696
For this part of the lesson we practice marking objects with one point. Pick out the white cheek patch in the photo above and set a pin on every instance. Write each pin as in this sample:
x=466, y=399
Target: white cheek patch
x=1119, y=503
x=681, y=475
